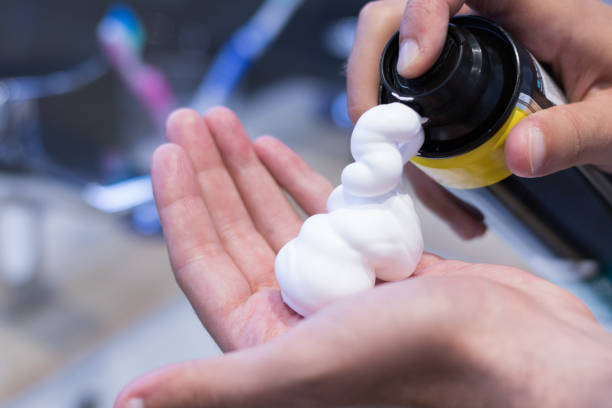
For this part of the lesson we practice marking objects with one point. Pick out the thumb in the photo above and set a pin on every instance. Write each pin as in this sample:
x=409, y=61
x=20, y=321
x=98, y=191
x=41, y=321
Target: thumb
x=229, y=381
x=561, y=137
x=265, y=376
x=189, y=384
x=423, y=33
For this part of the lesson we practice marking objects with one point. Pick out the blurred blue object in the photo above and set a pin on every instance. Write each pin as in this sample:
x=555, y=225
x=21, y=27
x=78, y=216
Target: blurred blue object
x=339, y=111
x=245, y=45
x=339, y=36
x=125, y=16
x=145, y=220
x=122, y=39
x=21, y=146
x=119, y=197
x=54, y=83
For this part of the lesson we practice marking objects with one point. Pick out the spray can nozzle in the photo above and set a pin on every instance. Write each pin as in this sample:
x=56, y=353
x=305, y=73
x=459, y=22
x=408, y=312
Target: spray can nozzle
x=459, y=94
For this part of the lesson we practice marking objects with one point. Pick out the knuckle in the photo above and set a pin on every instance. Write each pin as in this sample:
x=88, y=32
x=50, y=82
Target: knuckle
x=575, y=146
x=422, y=8
x=420, y=16
x=378, y=10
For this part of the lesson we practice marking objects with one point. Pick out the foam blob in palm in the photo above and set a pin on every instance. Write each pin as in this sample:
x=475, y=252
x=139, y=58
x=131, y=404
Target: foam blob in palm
x=371, y=229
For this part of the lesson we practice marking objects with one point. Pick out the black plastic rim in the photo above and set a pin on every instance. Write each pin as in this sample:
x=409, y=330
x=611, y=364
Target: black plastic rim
x=488, y=129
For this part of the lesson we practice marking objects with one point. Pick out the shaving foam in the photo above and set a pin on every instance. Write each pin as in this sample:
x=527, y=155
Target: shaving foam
x=371, y=229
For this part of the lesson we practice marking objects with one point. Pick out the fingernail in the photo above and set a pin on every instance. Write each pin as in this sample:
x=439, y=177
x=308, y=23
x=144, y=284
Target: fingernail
x=537, y=149
x=409, y=51
x=134, y=403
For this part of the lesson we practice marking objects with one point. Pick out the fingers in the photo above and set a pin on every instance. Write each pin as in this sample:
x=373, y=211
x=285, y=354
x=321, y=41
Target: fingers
x=306, y=367
x=561, y=137
x=378, y=20
x=462, y=217
x=307, y=187
x=423, y=33
x=264, y=377
x=236, y=231
x=200, y=384
x=203, y=269
x=310, y=190
x=424, y=27
x=273, y=215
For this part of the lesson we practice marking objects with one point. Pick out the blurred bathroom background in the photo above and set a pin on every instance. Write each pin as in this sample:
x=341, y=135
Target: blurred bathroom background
x=87, y=297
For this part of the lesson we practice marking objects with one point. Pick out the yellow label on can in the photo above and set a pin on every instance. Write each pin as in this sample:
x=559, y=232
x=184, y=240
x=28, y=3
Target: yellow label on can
x=480, y=167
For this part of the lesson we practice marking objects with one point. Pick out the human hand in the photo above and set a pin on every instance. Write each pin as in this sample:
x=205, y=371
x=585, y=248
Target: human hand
x=573, y=36
x=455, y=334
x=224, y=219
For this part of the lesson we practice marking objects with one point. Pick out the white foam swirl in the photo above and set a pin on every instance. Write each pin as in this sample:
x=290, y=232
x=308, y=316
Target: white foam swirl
x=371, y=229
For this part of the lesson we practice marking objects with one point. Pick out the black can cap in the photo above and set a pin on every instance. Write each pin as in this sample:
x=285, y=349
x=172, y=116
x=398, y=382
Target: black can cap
x=462, y=95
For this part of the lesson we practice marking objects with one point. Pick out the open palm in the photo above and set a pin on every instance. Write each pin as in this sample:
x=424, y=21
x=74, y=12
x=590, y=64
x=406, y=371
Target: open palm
x=455, y=334
x=225, y=218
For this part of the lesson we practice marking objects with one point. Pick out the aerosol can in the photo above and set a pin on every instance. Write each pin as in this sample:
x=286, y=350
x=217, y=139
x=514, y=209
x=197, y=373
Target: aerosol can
x=483, y=84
